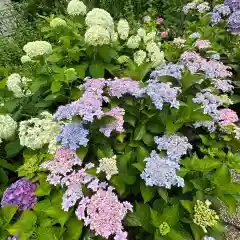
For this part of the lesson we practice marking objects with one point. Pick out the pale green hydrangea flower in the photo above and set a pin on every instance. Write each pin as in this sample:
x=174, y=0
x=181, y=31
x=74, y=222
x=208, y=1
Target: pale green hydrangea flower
x=114, y=36
x=18, y=85
x=139, y=57
x=204, y=216
x=150, y=37
x=123, y=29
x=156, y=56
x=25, y=58
x=100, y=17
x=37, y=48
x=133, y=42
x=76, y=8
x=141, y=32
x=109, y=166
x=97, y=36
x=123, y=59
x=164, y=229
x=58, y=22
x=7, y=127
x=37, y=132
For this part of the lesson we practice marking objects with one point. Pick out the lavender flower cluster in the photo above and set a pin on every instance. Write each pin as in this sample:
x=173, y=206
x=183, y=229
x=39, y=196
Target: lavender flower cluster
x=219, y=11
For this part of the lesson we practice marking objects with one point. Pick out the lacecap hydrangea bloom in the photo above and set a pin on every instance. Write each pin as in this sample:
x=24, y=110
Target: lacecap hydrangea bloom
x=76, y=8
x=73, y=135
x=133, y=42
x=109, y=166
x=97, y=36
x=8, y=127
x=123, y=29
x=100, y=17
x=204, y=216
x=37, y=48
x=175, y=146
x=104, y=214
x=58, y=22
x=161, y=172
x=139, y=57
x=21, y=194
x=36, y=132
x=25, y=59
x=18, y=85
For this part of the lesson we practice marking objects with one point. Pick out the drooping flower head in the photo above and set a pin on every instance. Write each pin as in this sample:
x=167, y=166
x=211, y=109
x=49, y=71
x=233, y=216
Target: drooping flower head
x=123, y=29
x=37, y=48
x=103, y=213
x=161, y=172
x=21, y=194
x=7, y=127
x=76, y=8
x=204, y=216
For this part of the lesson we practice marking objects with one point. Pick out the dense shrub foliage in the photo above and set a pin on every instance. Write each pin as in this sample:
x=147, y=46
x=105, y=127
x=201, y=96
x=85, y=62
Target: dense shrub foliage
x=115, y=130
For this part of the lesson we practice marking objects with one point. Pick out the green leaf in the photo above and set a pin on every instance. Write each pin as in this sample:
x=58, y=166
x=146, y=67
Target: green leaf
x=97, y=70
x=56, y=86
x=43, y=189
x=7, y=212
x=82, y=152
x=148, y=139
x=156, y=218
x=232, y=187
x=74, y=229
x=119, y=184
x=196, y=231
x=81, y=70
x=171, y=215
x=163, y=194
x=130, y=119
x=142, y=153
x=222, y=175
x=140, y=131
x=106, y=53
x=180, y=234
x=188, y=205
x=147, y=192
x=188, y=79
x=155, y=128
x=13, y=148
x=230, y=202
x=7, y=165
x=55, y=57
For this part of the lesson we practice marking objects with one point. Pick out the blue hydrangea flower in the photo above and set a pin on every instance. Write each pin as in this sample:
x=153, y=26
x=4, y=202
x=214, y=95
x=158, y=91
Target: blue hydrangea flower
x=222, y=9
x=234, y=22
x=161, y=172
x=206, y=124
x=195, y=35
x=176, y=146
x=233, y=4
x=73, y=135
x=216, y=18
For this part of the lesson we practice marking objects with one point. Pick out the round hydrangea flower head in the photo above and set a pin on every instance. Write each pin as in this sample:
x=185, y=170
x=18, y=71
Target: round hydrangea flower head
x=234, y=22
x=195, y=35
x=161, y=172
x=139, y=57
x=159, y=20
x=164, y=34
x=203, y=7
x=222, y=9
x=202, y=44
x=25, y=59
x=141, y=32
x=179, y=42
x=149, y=37
x=133, y=42
x=37, y=48
x=103, y=213
x=123, y=29
x=20, y=193
x=109, y=166
x=189, y=6
x=123, y=59
x=76, y=8
x=233, y=4
x=98, y=16
x=223, y=85
x=7, y=127
x=164, y=229
x=228, y=116
x=204, y=216
x=215, y=19
x=146, y=19
x=97, y=36
x=18, y=85
x=58, y=22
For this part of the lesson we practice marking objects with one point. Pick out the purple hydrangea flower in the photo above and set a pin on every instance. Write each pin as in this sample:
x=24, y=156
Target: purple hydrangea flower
x=222, y=9
x=20, y=193
x=170, y=69
x=161, y=93
x=223, y=85
x=73, y=135
x=234, y=22
x=233, y=4
x=15, y=237
x=161, y=172
x=215, y=19
x=210, y=125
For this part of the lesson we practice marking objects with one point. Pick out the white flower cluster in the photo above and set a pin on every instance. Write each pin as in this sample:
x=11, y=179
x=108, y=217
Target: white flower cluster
x=149, y=37
x=7, y=127
x=100, y=27
x=37, y=48
x=123, y=29
x=156, y=56
x=109, y=166
x=18, y=85
x=76, y=8
x=25, y=58
x=141, y=32
x=133, y=42
x=139, y=57
x=36, y=132
x=179, y=42
x=58, y=22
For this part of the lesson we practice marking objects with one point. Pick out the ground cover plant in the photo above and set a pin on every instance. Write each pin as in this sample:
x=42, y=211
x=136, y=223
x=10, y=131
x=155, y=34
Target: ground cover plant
x=115, y=131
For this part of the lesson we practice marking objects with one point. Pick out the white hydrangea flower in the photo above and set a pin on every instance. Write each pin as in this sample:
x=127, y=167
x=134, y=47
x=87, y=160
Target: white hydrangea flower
x=141, y=32
x=114, y=36
x=123, y=29
x=7, y=127
x=156, y=56
x=146, y=18
x=38, y=48
x=18, y=85
x=25, y=58
x=179, y=42
x=133, y=42
x=101, y=18
x=58, y=22
x=97, y=36
x=139, y=57
x=36, y=132
x=76, y=7
x=149, y=37
x=109, y=166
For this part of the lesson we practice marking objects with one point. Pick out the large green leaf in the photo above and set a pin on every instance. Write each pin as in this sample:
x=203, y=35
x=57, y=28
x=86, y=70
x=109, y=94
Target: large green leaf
x=96, y=70
x=13, y=148
x=147, y=192
x=8, y=212
x=74, y=229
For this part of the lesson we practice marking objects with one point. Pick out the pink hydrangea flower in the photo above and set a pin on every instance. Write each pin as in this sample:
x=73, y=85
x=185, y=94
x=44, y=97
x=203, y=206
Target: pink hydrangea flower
x=164, y=34
x=203, y=44
x=159, y=20
x=228, y=116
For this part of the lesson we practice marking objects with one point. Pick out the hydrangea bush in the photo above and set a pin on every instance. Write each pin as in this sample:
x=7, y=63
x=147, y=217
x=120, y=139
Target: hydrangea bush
x=145, y=147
